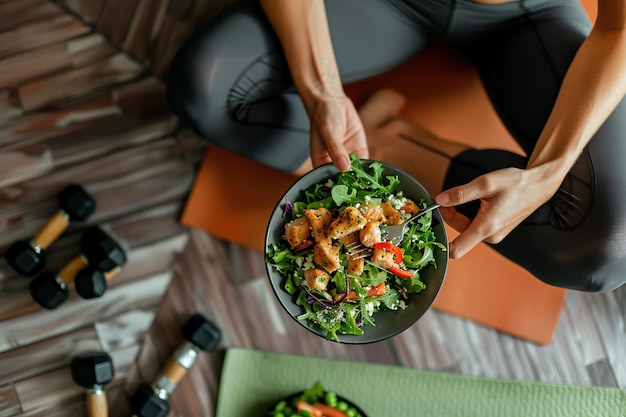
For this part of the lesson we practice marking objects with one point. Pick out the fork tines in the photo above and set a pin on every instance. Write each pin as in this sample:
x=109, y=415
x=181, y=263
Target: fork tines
x=356, y=250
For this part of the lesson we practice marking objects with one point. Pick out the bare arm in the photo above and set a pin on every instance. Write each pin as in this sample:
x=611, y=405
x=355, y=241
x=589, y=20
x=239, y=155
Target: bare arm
x=593, y=86
x=595, y=83
x=302, y=29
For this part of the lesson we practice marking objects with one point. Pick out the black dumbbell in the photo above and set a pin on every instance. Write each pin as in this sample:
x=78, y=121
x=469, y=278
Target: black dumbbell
x=153, y=400
x=28, y=257
x=91, y=282
x=99, y=251
x=93, y=370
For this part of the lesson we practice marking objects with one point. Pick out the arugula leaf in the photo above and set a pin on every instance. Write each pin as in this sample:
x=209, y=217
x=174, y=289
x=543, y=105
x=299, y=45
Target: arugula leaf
x=375, y=180
x=343, y=194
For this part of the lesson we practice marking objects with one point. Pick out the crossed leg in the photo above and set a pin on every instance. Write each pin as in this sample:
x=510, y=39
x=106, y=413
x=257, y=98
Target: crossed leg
x=404, y=144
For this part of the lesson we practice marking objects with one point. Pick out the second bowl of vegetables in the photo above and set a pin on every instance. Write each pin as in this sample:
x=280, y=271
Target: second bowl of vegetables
x=351, y=295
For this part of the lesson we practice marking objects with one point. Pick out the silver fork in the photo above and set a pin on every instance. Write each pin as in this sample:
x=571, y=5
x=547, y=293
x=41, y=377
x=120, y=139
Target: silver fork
x=395, y=234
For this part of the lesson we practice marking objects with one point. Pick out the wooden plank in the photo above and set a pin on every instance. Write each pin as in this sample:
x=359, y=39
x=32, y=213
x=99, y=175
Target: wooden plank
x=115, y=19
x=88, y=10
x=143, y=99
x=37, y=326
x=144, y=261
x=47, y=355
x=19, y=166
x=20, y=68
x=73, y=406
x=56, y=387
x=124, y=330
x=115, y=70
x=15, y=13
x=10, y=106
x=34, y=34
x=40, y=126
x=9, y=403
x=147, y=366
x=38, y=159
x=45, y=390
x=122, y=182
x=145, y=27
x=612, y=325
x=172, y=35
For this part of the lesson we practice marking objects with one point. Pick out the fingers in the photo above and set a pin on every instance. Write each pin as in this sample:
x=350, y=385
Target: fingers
x=335, y=132
x=339, y=155
x=463, y=243
x=466, y=241
x=454, y=219
x=474, y=190
x=472, y=232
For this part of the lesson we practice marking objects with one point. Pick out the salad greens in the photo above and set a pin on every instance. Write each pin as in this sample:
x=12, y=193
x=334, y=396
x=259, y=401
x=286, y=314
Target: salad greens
x=339, y=300
x=312, y=402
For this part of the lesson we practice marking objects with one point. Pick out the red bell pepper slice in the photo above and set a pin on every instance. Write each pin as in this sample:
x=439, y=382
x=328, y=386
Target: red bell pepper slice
x=390, y=247
x=402, y=273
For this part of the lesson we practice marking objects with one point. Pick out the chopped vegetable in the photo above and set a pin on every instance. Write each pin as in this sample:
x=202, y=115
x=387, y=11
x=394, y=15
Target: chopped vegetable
x=376, y=291
x=314, y=402
x=402, y=273
x=390, y=247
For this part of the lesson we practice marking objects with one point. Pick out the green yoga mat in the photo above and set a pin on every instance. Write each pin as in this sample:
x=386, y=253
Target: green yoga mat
x=252, y=380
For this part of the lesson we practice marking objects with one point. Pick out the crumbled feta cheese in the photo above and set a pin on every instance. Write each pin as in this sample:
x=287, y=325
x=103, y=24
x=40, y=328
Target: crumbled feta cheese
x=397, y=201
x=308, y=262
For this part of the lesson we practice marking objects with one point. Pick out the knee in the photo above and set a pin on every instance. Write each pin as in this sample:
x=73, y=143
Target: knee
x=186, y=79
x=605, y=276
x=600, y=274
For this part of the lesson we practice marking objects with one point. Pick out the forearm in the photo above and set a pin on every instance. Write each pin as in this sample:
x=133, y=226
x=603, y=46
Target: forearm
x=593, y=86
x=302, y=29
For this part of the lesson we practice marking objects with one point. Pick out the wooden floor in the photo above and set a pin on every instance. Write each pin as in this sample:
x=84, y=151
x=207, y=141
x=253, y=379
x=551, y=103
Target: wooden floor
x=81, y=101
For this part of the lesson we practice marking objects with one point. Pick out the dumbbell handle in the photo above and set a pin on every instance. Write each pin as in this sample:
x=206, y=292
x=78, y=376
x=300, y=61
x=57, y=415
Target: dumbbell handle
x=97, y=405
x=175, y=369
x=109, y=275
x=67, y=274
x=51, y=230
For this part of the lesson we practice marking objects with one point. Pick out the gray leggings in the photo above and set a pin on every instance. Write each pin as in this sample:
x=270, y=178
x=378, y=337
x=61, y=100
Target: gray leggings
x=231, y=84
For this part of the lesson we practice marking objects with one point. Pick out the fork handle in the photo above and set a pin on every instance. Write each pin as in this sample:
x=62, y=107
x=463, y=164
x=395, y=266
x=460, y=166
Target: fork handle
x=423, y=211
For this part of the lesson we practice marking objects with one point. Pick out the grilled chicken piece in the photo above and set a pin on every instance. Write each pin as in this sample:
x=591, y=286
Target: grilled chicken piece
x=316, y=279
x=326, y=255
x=393, y=216
x=373, y=213
x=370, y=234
x=410, y=207
x=349, y=238
x=383, y=258
x=320, y=220
x=355, y=266
x=297, y=231
x=349, y=220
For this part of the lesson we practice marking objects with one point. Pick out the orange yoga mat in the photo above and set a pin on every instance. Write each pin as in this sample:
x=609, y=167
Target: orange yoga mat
x=233, y=197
